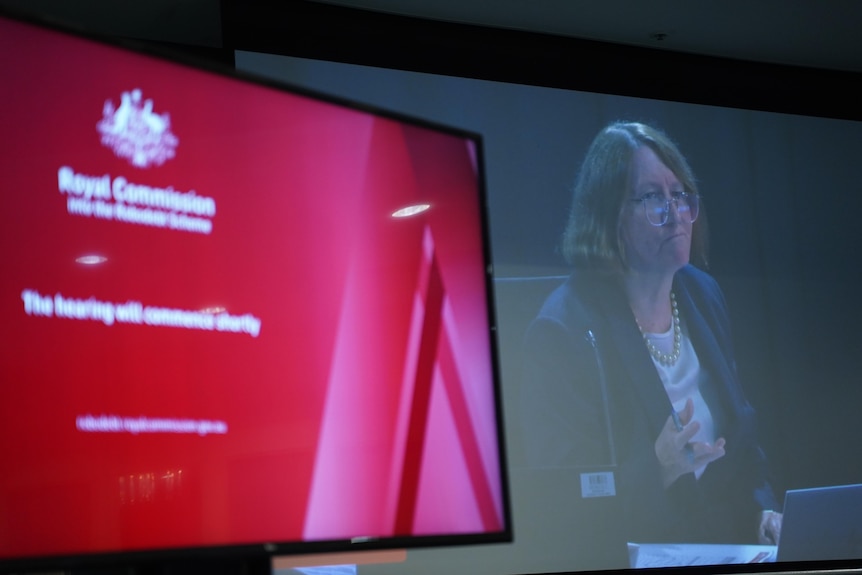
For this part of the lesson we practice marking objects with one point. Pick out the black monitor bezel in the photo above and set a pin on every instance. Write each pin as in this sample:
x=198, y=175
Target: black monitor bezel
x=257, y=558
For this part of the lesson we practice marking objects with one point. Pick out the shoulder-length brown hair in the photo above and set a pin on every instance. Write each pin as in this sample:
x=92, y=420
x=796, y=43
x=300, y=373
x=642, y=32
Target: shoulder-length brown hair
x=592, y=235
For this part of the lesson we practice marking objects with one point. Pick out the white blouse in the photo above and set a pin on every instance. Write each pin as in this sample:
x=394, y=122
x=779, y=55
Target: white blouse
x=682, y=381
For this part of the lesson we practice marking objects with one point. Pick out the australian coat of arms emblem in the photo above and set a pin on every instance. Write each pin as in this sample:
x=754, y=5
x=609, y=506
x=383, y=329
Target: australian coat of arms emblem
x=135, y=132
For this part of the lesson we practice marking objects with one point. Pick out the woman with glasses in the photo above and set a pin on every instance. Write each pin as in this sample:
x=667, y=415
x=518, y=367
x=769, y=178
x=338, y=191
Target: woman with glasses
x=629, y=363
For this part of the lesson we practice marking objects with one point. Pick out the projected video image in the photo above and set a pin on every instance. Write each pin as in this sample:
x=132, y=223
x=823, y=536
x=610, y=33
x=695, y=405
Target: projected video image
x=622, y=452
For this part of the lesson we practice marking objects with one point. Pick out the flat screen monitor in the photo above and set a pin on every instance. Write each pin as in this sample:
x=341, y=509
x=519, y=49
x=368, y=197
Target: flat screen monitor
x=774, y=153
x=236, y=318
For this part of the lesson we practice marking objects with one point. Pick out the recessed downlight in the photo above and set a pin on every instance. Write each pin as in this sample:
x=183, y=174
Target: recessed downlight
x=408, y=211
x=91, y=259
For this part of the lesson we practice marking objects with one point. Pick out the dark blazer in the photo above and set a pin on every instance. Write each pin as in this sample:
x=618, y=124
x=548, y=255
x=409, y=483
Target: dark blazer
x=584, y=346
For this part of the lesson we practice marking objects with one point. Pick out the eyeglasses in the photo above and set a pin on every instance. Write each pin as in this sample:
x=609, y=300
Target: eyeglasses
x=657, y=207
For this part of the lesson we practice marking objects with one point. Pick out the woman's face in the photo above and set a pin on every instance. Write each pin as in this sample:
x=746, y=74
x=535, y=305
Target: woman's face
x=653, y=249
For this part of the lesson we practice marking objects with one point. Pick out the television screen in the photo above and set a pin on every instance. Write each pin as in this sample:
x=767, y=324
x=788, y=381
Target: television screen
x=776, y=183
x=235, y=316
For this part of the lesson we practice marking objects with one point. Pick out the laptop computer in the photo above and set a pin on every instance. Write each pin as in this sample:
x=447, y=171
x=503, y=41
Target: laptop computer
x=822, y=523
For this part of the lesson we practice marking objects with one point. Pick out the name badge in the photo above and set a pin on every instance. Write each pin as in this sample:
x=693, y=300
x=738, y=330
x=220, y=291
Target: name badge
x=598, y=484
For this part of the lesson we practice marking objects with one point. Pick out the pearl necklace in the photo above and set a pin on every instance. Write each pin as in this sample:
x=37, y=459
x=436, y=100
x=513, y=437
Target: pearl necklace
x=666, y=359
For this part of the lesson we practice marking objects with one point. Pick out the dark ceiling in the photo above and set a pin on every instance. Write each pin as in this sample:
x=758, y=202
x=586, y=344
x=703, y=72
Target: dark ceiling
x=820, y=34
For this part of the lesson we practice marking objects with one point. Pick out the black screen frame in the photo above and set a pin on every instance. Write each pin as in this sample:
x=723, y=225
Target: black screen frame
x=321, y=31
x=257, y=558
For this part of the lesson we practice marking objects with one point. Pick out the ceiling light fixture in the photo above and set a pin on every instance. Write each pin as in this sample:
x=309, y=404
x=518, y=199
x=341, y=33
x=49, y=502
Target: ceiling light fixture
x=408, y=211
x=91, y=260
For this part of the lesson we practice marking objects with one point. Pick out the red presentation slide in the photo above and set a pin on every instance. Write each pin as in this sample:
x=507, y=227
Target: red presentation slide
x=231, y=313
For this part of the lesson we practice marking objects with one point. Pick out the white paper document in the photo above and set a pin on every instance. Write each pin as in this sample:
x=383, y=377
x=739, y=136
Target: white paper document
x=643, y=555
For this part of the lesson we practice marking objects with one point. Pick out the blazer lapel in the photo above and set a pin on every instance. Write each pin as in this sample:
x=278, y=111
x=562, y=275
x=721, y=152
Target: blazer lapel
x=709, y=353
x=642, y=377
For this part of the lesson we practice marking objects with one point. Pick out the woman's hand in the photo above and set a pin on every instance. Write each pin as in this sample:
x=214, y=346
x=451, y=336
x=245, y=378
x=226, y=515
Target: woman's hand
x=769, y=527
x=676, y=453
